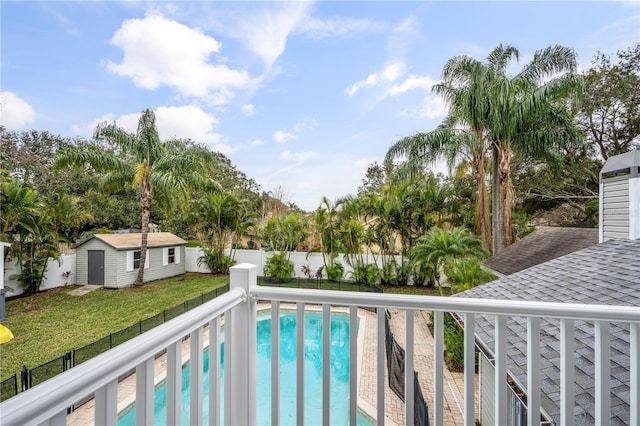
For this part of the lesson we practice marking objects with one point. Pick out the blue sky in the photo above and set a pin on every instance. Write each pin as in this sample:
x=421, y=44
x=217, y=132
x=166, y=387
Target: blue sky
x=303, y=96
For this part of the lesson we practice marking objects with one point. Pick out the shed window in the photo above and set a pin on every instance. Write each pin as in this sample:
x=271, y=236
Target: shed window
x=136, y=259
x=171, y=255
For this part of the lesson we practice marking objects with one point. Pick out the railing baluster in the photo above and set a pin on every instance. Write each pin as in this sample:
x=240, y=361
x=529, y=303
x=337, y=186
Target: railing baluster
x=469, y=369
x=408, y=368
x=326, y=364
x=144, y=392
x=174, y=383
x=106, y=408
x=275, y=362
x=228, y=331
x=501, y=370
x=603, y=372
x=214, y=371
x=380, y=384
x=634, y=387
x=58, y=419
x=567, y=373
x=300, y=364
x=438, y=365
x=353, y=365
x=196, y=373
x=533, y=371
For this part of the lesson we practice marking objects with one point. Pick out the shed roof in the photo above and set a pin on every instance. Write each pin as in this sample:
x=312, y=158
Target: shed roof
x=603, y=274
x=544, y=244
x=133, y=240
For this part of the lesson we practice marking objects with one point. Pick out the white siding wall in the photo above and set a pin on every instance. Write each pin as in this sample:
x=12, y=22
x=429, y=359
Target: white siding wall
x=110, y=262
x=615, y=210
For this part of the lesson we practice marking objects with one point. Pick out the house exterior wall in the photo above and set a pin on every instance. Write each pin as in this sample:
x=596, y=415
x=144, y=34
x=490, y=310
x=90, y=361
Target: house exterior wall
x=615, y=208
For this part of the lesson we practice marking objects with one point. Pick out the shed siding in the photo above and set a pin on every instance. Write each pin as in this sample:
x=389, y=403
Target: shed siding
x=487, y=391
x=155, y=271
x=82, y=261
x=615, y=212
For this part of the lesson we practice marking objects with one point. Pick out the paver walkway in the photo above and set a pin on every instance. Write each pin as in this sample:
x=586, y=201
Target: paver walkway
x=423, y=364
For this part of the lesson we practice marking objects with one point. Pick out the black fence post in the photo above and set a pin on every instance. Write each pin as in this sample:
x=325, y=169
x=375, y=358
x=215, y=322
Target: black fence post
x=24, y=378
x=110, y=340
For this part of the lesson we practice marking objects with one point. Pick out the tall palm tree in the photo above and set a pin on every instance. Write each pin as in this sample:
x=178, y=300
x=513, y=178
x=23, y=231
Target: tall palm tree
x=141, y=159
x=528, y=114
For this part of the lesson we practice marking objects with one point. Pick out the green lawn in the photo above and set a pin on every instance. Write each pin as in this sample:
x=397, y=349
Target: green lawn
x=49, y=324
x=419, y=291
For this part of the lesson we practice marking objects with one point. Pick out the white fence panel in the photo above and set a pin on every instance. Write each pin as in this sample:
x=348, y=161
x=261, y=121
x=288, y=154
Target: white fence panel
x=53, y=276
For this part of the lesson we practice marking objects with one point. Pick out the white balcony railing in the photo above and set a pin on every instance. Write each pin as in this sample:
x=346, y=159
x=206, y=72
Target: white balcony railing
x=48, y=402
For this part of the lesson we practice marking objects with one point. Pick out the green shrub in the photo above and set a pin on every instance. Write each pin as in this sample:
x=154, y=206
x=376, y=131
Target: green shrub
x=335, y=271
x=278, y=266
x=454, y=343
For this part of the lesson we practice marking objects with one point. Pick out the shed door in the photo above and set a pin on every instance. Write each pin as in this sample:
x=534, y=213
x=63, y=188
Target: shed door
x=96, y=267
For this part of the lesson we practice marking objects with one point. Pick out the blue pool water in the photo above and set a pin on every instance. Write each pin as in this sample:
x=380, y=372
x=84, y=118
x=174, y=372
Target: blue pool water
x=312, y=368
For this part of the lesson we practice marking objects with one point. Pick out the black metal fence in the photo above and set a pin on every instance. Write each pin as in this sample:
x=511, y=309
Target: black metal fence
x=9, y=387
x=395, y=369
x=37, y=375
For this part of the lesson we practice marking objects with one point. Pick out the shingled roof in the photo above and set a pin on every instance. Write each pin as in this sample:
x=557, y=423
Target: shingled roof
x=133, y=240
x=603, y=274
x=542, y=245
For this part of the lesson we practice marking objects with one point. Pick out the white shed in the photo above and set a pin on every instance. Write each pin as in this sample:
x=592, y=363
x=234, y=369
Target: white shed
x=112, y=260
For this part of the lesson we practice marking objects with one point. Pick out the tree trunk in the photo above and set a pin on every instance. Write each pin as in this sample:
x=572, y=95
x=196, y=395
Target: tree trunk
x=145, y=203
x=482, y=215
x=506, y=193
x=497, y=215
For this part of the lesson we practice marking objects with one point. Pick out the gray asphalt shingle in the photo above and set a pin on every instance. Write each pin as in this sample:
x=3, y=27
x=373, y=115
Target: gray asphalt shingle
x=603, y=274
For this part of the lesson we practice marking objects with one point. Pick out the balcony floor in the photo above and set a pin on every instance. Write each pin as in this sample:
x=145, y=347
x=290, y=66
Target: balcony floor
x=394, y=407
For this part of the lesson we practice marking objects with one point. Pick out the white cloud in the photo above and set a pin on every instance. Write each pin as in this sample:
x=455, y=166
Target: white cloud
x=412, y=82
x=282, y=136
x=15, y=113
x=339, y=27
x=265, y=29
x=298, y=156
x=158, y=52
x=248, y=109
x=387, y=75
x=306, y=124
x=433, y=107
x=184, y=122
x=400, y=36
x=257, y=142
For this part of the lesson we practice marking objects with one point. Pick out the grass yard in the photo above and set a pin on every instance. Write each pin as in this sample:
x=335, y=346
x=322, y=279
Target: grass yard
x=49, y=324
x=417, y=291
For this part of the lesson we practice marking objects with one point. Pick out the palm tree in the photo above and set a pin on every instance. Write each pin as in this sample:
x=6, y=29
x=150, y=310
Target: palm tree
x=142, y=159
x=439, y=247
x=528, y=114
x=219, y=217
x=325, y=220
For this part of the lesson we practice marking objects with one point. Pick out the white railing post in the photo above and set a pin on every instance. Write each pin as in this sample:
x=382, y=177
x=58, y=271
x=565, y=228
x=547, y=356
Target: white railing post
x=240, y=341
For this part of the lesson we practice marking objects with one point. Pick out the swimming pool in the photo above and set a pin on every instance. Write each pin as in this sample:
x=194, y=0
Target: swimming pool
x=339, y=360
